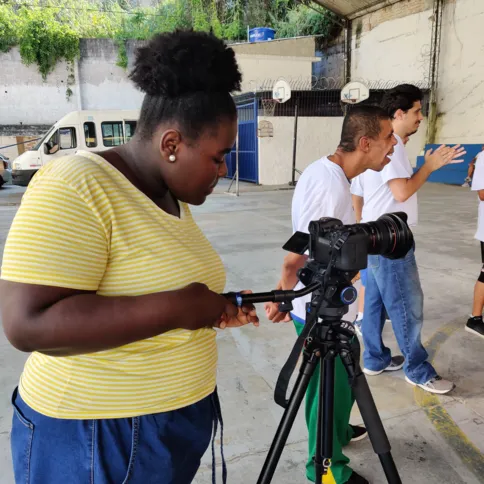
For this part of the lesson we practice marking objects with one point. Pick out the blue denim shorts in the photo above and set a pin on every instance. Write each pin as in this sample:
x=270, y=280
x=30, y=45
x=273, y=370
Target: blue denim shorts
x=165, y=447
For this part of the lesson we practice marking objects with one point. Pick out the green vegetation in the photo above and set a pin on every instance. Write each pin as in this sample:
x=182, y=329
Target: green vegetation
x=48, y=31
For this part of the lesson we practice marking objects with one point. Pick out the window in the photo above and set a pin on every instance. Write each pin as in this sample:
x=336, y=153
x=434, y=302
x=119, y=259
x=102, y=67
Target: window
x=90, y=134
x=67, y=138
x=130, y=129
x=112, y=133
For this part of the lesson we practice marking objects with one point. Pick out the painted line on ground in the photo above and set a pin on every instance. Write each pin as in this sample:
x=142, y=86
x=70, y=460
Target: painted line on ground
x=440, y=418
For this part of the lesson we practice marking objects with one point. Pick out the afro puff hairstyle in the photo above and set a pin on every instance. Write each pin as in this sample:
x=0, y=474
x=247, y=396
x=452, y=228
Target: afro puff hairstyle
x=188, y=78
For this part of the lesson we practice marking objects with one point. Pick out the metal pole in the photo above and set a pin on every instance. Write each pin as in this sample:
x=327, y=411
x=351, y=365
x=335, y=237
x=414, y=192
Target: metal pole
x=294, y=146
x=237, y=164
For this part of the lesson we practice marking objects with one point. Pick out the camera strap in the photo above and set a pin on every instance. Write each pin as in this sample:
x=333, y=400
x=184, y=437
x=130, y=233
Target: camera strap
x=280, y=392
x=284, y=377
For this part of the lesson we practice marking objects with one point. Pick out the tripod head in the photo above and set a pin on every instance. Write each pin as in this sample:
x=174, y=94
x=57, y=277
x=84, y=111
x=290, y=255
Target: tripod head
x=331, y=288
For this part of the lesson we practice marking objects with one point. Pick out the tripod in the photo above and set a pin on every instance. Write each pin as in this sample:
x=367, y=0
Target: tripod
x=327, y=337
x=330, y=338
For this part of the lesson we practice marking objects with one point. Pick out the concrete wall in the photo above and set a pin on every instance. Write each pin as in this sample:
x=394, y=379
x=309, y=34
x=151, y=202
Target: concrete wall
x=317, y=137
x=104, y=85
x=392, y=44
x=100, y=84
x=258, y=69
x=297, y=47
x=26, y=99
x=461, y=74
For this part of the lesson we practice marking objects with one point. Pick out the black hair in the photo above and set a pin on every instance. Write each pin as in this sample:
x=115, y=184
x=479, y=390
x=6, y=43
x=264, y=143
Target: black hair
x=361, y=121
x=401, y=97
x=188, y=78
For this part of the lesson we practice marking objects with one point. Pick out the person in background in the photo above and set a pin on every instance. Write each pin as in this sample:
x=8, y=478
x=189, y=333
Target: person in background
x=470, y=170
x=475, y=324
x=394, y=285
x=323, y=190
x=357, y=196
x=119, y=302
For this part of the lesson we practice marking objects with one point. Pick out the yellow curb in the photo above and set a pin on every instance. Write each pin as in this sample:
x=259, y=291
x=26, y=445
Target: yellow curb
x=440, y=418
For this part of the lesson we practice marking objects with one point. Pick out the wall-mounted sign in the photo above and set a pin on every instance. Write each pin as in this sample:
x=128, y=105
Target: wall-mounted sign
x=265, y=130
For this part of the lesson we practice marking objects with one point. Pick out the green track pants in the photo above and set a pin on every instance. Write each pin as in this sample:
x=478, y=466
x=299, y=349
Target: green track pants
x=339, y=472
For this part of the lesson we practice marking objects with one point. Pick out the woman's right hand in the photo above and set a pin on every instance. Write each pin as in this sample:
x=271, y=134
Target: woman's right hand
x=218, y=311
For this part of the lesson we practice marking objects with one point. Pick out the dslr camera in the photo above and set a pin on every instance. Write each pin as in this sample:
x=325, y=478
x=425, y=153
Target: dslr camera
x=338, y=252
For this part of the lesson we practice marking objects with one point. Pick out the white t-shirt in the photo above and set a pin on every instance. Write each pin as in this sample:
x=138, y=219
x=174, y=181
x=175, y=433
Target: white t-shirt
x=478, y=184
x=377, y=196
x=322, y=191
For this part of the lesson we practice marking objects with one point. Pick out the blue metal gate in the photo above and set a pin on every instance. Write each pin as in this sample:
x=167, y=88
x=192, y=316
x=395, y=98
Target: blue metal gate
x=248, y=146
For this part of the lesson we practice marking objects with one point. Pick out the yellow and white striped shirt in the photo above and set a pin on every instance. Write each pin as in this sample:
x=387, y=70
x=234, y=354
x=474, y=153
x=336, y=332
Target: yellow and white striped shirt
x=83, y=225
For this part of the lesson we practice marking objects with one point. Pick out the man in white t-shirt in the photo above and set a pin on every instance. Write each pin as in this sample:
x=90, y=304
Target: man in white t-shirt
x=394, y=285
x=323, y=190
x=475, y=324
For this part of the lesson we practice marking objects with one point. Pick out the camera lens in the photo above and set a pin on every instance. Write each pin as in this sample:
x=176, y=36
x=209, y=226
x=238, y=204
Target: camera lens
x=389, y=236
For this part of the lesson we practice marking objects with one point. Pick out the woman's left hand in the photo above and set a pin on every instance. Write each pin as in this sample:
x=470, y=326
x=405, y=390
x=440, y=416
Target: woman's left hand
x=245, y=315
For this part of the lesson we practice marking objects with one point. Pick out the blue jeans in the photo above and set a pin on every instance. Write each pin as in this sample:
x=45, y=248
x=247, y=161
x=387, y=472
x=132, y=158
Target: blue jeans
x=394, y=285
x=164, y=447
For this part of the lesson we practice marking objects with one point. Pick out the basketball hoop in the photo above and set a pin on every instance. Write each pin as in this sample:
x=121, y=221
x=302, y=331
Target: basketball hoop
x=354, y=92
x=269, y=106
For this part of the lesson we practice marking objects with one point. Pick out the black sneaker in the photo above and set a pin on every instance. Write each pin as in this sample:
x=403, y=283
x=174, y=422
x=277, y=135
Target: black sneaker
x=475, y=325
x=359, y=433
x=355, y=478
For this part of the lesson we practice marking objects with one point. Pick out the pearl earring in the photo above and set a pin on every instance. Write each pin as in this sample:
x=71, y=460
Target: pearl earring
x=172, y=158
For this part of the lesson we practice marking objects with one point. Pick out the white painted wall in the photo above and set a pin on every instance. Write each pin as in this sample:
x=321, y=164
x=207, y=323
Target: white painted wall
x=100, y=84
x=25, y=98
x=395, y=50
x=317, y=137
x=461, y=82
x=398, y=50
x=259, y=68
x=104, y=85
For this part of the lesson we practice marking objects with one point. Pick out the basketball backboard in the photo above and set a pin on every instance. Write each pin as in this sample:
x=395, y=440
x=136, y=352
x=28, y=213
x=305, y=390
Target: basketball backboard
x=281, y=91
x=354, y=92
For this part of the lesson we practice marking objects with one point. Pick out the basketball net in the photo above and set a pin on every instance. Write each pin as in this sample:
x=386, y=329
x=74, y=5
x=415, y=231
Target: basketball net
x=269, y=106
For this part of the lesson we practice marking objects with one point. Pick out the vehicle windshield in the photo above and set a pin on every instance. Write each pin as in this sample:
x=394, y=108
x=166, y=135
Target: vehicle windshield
x=39, y=144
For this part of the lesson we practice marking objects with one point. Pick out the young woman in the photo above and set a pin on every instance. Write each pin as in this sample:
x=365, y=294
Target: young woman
x=114, y=289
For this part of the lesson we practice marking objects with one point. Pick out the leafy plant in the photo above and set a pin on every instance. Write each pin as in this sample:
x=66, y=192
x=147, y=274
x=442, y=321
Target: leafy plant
x=8, y=32
x=45, y=41
x=47, y=31
x=303, y=20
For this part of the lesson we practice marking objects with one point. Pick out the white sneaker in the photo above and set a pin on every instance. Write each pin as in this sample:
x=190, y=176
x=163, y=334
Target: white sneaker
x=436, y=385
x=396, y=364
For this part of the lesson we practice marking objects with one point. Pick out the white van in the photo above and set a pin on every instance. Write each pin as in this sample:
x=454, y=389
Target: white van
x=79, y=130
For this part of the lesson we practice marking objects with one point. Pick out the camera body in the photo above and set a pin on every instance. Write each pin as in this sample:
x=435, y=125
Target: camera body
x=347, y=247
x=345, y=243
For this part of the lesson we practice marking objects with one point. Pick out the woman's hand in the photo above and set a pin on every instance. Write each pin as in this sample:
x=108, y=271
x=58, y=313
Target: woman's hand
x=234, y=317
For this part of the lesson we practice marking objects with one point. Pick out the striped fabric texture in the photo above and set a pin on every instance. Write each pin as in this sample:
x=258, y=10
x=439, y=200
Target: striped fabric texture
x=83, y=225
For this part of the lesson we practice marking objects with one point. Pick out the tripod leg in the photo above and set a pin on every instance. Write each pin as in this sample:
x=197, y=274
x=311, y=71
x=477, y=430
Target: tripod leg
x=369, y=412
x=324, y=443
x=308, y=366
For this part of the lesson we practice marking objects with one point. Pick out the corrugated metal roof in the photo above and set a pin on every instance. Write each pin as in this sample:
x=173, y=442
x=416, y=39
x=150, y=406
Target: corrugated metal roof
x=354, y=8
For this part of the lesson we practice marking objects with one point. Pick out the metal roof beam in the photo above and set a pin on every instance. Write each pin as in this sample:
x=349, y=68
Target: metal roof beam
x=340, y=8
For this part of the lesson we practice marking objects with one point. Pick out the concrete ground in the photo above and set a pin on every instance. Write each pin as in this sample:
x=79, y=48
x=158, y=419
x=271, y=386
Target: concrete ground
x=434, y=440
